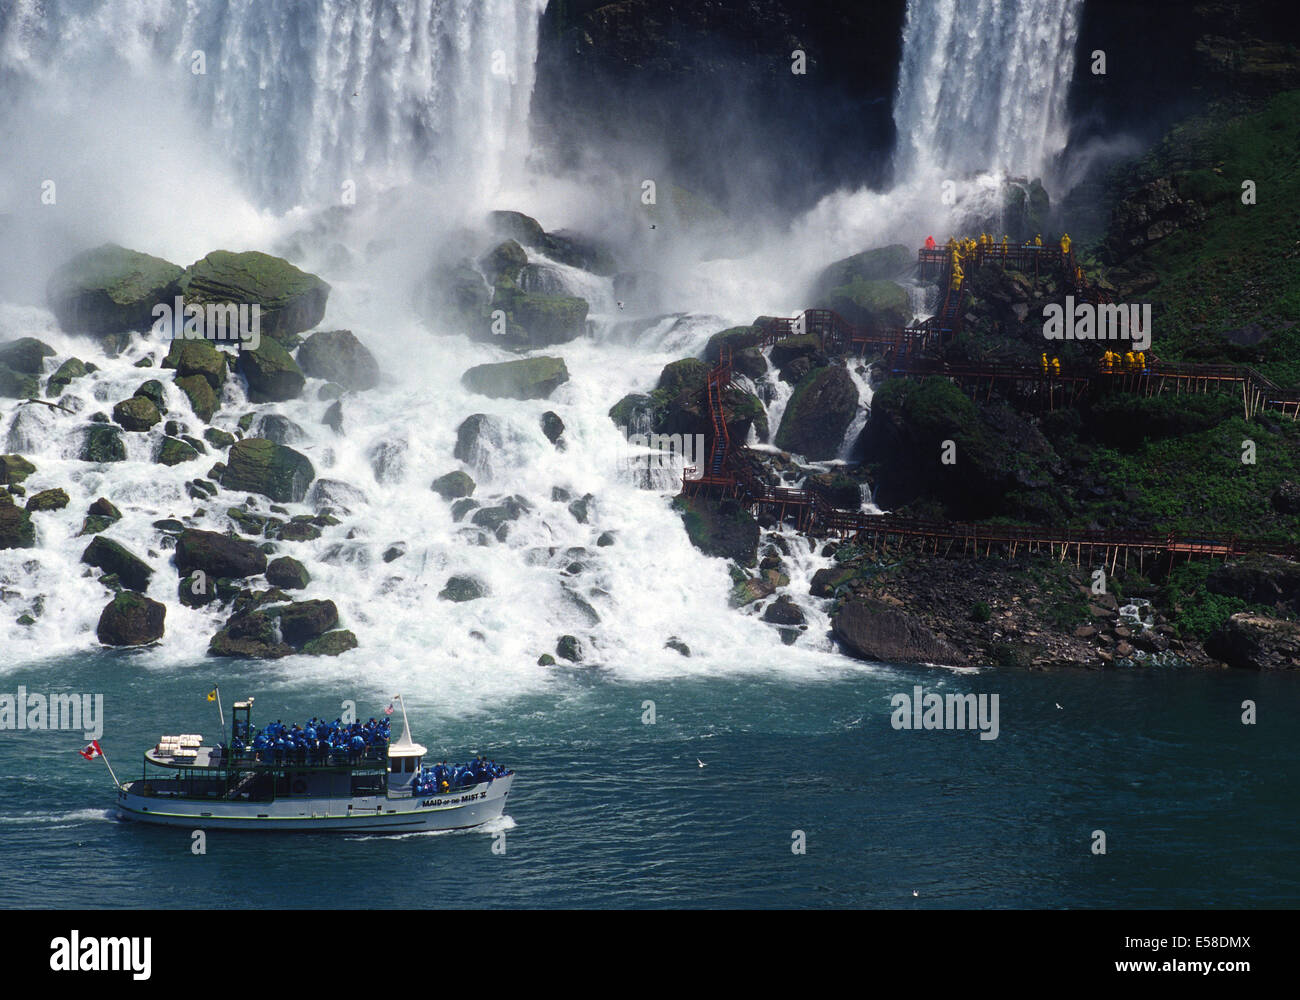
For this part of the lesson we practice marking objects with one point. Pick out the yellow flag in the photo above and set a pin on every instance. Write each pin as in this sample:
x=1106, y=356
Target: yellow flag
x=212, y=695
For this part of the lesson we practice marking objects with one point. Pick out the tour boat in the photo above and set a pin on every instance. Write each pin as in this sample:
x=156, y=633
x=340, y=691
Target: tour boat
x=343, y=777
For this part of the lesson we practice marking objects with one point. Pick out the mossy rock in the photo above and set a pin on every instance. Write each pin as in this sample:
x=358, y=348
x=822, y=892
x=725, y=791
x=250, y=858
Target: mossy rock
x=197, y=357
x=219, y=556
x=103, y=443
x=218, y=438
x=738, y=338
x=174, y=451
x=106, y=554
x=17, y=385
x=527, y=378
x=16, y=528
x=540, y=320
x=876, y=305
x=517, y=226
x=273, y=375
x=287, y=573
x=55, y=499
x=504, y=260
x=331, y=643
x=879, y=264
x=70, y=370
x=153, y=391
x=250, y=634
x=136, y=414
x=110, y=290
x=203, y=401
x=720, y=528
x=819, y=412
x=256, y=465
x=687, y=374
x=454, y=485
x=302, y=621
x=291, y=300
x=131, y=619
x=340, y=358
x=26, y=355
x=14, y=469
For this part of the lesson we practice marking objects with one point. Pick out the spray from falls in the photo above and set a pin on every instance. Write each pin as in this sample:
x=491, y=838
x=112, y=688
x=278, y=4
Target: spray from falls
x=313, y=102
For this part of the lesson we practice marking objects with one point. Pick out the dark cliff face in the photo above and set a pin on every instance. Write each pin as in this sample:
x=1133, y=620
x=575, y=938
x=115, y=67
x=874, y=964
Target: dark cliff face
x=1166, y=58
x=703, y=89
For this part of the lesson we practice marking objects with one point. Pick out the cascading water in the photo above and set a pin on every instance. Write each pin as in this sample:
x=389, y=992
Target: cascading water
x=983, y=85
x=310, y=97
x=300, y=97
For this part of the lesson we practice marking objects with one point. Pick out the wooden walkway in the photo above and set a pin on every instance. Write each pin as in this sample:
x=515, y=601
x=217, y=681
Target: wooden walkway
x=735, y=472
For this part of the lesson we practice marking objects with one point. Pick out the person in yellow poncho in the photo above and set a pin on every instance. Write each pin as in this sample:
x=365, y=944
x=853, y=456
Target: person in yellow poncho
x=1038, y=240
x=1044, y=362
x=1065, y=244
x=1056, y=366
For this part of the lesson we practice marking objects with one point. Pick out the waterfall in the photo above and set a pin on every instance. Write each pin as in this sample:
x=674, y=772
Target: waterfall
x=308, y=96
x=983, y=84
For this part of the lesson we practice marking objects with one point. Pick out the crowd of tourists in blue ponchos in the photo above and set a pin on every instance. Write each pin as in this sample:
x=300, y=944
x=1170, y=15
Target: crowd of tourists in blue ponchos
x=315, y=742
x=446, y=778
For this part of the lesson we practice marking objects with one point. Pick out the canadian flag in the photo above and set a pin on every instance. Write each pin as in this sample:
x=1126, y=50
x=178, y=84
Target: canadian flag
x=92, y=751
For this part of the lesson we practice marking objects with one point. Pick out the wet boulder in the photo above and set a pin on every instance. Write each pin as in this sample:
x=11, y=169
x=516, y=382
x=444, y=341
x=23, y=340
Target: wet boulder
x=197, y=357
x=720, y=528
x=111, y=289
x=203, y=400
x=138, y=413
x=16, y=528
x=339, y=357
x=271, y=372
x=256, y=465
x=219, y=556
x=16, y=385
x=25, y=355
x=291, y=300
x=67, y=372
x=527, y=378
x=454, y=485
x=872, y=630
x=820, y=410
x=131, y=619
x=462, y=588
x=55, y=499
x=333, y=643
x=252, y=634
x=114, y=559
x=1251, y=641
x=506, y=260
x=174, y=451
x=302, y=621
x=14, y=469
x=287, y=574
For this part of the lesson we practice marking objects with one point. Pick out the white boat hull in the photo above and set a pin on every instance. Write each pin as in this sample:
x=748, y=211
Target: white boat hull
x=361, y=814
